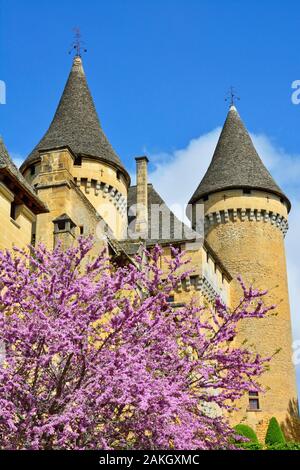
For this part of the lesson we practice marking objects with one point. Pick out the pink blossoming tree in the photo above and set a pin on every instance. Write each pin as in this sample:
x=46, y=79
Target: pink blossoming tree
x=94, y=357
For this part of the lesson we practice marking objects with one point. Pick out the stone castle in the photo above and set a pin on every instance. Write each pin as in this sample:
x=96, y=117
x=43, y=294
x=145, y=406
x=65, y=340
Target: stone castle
x=73, y=183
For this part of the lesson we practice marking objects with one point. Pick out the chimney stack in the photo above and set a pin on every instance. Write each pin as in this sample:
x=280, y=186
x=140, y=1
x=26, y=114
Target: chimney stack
x=141, y=224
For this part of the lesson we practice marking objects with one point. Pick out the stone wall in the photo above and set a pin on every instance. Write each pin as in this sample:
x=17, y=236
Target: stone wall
x=102, y=184
x=254, y=248
x=14, y=232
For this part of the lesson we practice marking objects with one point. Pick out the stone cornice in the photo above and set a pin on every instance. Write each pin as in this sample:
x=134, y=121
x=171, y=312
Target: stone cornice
x=27, y=213
x=108, y=191
x=203, y=285
x=264, y=216
x=9, y=195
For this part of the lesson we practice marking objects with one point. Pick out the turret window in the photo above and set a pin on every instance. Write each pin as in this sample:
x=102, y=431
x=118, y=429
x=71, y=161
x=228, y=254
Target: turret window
x=32, y=170
x=253, y=401
x=64, y=224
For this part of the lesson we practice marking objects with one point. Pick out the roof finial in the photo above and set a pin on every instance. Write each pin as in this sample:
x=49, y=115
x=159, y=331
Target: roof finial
x=231, y=97
x=77, y=43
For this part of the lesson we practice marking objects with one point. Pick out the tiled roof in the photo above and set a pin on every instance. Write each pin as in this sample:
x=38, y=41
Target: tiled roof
x=7, y=166
x=176, y=230
x=76, y=124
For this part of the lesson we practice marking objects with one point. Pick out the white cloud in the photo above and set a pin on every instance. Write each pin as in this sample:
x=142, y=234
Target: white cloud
x=176, y=176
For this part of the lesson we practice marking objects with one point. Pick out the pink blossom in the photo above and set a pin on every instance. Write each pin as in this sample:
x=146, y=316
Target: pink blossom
x=88, y=366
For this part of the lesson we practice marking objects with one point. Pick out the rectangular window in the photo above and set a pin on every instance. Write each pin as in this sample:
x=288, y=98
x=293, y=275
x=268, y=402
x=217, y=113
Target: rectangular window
x=61, y=225
x=253, y=401
x=170, y=299
x=78, y=161
x=194, y=280
x=32, y=170
x=13, y=208
x=81, y=228
x=253, y=404
x=33, y=234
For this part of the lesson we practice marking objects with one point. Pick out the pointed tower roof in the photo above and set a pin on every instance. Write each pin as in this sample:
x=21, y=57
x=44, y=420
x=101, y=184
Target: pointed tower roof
x=236, y=164
x=76, y=124
x=9, y=169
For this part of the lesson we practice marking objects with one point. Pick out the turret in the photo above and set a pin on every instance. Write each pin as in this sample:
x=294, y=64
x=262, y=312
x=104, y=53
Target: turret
x=246, y=216
x=75, y=152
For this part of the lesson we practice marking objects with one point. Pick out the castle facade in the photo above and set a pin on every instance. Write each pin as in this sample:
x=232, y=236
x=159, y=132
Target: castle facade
x=73, y=183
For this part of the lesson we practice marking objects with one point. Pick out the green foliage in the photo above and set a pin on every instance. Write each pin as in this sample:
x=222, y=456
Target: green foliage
x=285, y=446
x=246, y=431
x=274, y=433
x=251, y=446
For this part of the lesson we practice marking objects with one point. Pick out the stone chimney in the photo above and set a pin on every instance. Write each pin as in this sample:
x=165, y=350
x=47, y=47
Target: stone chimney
x=141, y=225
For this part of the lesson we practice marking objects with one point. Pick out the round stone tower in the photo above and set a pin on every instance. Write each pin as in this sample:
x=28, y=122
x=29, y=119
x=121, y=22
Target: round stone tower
x=245, y=224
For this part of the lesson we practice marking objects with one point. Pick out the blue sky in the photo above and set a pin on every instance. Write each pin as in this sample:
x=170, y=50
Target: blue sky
x=159, y=71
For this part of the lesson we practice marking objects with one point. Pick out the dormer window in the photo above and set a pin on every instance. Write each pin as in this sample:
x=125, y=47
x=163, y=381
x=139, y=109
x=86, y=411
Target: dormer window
x=64, y=224
x=78, y=160
x=61, y=225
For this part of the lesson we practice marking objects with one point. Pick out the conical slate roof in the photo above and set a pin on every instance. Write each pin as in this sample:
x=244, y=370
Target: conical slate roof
x=9, y=168
x=155, y=225
x=235, y=163
x=76, y=123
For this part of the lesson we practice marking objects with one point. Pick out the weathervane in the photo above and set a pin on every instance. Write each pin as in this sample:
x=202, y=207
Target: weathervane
x=232, y=96
x=77, y=44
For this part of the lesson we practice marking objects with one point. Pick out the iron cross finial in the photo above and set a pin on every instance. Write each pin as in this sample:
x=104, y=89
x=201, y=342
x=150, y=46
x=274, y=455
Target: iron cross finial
x=232, y=96
x=77, y=44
